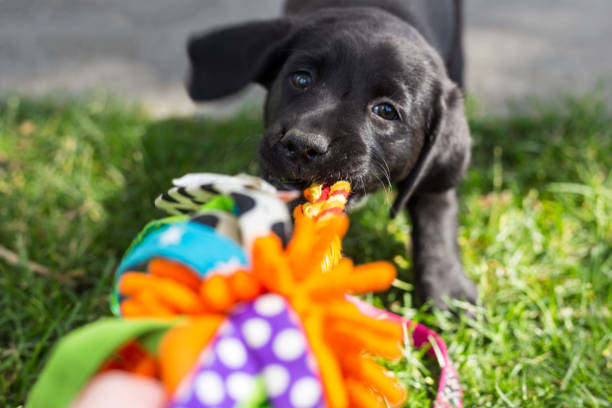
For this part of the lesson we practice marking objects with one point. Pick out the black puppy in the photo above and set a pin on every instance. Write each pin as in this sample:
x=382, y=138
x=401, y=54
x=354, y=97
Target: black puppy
x=362, y=90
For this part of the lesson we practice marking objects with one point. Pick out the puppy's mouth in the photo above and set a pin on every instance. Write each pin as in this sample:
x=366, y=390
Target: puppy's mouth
x=299, y=179
x=287, y=184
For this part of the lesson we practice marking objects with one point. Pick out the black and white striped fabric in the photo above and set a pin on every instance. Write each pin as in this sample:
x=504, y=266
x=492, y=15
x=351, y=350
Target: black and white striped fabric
x=258, y=206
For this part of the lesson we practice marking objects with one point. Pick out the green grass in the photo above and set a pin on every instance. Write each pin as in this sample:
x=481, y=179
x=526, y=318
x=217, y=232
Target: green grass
x=77, y=180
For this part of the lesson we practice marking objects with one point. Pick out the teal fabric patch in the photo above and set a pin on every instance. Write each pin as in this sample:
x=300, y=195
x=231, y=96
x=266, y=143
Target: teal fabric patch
x=195, y=245
x=153, y=226
x=192, y=244
x=220, y=202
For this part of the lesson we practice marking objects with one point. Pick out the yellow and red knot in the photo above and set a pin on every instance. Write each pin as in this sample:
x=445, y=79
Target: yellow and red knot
x=325, y=200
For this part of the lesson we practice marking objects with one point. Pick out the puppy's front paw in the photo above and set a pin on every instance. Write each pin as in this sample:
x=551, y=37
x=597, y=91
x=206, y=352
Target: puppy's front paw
x=446, y=283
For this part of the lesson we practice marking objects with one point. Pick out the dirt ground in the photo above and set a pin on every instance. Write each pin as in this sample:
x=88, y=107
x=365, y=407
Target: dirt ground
x=135, y=48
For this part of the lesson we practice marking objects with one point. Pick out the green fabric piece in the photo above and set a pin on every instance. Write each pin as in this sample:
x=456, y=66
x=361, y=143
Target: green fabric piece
x=78, y=356
x=152, y=226
x=259, y=398
x=150, y=341
x=113, y=300
x=220, y=202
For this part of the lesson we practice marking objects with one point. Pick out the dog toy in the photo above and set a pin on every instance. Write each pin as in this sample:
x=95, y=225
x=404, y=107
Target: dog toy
x=323, y=202
x=223, y=305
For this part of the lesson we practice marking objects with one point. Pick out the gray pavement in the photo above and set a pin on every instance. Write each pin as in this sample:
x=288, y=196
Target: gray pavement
x=134, y=49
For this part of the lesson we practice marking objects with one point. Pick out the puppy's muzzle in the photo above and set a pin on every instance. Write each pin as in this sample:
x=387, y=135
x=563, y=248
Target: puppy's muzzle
x=304, y=148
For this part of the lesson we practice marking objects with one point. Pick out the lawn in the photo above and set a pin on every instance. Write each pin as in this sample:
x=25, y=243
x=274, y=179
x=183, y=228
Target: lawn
x=77, y=181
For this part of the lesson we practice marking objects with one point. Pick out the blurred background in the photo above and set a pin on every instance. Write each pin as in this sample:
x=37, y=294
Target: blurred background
x=135, y=49
x=78, y=177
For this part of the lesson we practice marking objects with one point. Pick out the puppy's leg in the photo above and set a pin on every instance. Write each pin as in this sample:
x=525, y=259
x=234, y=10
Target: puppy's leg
x=437, y=265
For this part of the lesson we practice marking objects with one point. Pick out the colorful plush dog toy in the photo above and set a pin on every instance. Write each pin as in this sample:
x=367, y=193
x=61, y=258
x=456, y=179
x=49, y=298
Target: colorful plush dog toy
x=222, y=305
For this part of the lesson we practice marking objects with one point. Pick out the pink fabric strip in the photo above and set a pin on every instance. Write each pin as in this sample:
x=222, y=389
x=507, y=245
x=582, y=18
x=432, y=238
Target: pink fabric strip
x=449, y=390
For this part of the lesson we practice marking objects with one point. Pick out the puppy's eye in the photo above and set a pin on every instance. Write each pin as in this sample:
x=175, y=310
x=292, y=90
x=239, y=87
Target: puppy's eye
x=301, y=80
x=385, y=111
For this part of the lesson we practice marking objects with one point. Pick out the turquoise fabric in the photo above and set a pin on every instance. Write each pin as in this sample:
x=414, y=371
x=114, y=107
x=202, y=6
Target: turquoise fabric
x=153, y=226
x=194, y=245
x=190, y=243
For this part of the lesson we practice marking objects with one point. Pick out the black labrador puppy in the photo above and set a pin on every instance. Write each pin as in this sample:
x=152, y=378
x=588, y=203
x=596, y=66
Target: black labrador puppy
x=363, y=90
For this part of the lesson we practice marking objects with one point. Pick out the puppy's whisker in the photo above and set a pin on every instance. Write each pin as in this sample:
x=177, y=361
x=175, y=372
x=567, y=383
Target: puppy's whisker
x=363, y=184
x=385, y=173
x=382, y=165
x=386, y=186
x=380, y=181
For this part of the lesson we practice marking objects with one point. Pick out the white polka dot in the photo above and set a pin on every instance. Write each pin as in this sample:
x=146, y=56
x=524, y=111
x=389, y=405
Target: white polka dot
x=240, y=386
x=305, y=393
x=276, y=380
x=289, y=344
x=231, y=353
x=209, y=388
x=269, y=305
x=172, y=236
x=256, y=332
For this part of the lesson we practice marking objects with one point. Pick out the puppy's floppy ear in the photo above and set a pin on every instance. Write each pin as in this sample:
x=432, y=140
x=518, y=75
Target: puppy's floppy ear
x=445, y=154
x=225, y=60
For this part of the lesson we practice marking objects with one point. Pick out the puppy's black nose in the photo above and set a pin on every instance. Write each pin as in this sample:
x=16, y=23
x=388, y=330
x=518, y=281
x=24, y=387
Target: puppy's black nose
x=304, y=147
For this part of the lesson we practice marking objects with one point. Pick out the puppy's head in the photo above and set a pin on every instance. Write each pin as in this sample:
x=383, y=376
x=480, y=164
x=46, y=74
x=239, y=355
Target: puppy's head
x=354, y=94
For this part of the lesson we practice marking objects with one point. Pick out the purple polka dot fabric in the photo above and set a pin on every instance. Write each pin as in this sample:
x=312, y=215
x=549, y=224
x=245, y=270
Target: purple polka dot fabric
x=261, y=344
